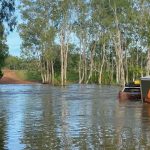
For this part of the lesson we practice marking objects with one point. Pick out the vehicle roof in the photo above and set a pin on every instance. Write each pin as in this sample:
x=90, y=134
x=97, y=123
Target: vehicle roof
x=145, y=78
x=132, y=87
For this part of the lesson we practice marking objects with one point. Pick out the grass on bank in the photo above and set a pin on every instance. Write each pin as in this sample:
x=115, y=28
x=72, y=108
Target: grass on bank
x=28, y=75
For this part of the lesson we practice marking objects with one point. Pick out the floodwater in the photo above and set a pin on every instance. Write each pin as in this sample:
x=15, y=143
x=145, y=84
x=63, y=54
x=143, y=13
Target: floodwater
x=75, y=117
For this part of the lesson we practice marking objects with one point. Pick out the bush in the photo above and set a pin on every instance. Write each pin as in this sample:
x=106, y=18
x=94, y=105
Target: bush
x=28, y=75
x=33, y=75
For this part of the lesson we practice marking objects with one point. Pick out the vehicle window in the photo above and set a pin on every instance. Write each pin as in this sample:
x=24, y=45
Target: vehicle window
x=132, y=90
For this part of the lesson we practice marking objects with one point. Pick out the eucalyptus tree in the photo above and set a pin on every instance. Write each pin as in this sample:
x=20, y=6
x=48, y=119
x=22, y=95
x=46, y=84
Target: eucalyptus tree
x=120, y=13
x=45, y=24
x=103, y=18
x=138, y=49
x=117, y=22
x=109, y=36
x=38, y=34
x=7, y=20
x=115, y=19
x=94, y=31
x=3, y=48
x=144, y=27
x=64, y=20
x=82, y=29
x=7, y=9
x=133, y=42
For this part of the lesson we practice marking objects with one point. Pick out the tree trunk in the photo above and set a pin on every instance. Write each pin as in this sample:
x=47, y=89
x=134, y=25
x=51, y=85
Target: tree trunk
x=120, y=76
x=126, y=67
x=52, y=68
x=46, y=70
x=119, y=54
x=112, y=71
x=80, y=64
x=62, y=58
x=65, y=62
x=101, y=67
x=80, y=68
x=83, y=67
x=92, y=62
x=148, y=63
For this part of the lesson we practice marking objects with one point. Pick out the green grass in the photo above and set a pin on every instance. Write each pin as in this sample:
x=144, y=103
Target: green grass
x=28, y=75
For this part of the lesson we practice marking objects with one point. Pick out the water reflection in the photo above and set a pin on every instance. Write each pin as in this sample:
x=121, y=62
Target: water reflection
x=41, y=117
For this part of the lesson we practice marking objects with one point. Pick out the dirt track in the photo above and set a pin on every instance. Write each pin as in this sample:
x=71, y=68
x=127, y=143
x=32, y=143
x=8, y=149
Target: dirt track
x=10, y=77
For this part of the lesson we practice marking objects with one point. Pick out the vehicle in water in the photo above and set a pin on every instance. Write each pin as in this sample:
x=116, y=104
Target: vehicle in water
x=131, y=91
x=145, y=89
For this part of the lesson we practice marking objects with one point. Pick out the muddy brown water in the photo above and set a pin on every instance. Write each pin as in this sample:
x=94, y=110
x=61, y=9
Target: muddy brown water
x=75, y=117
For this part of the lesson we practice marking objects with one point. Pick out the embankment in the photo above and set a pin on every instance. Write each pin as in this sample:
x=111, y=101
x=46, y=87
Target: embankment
x=11, y=77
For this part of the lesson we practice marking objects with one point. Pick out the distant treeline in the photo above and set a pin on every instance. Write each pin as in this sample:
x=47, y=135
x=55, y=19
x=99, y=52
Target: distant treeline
x=91, y=41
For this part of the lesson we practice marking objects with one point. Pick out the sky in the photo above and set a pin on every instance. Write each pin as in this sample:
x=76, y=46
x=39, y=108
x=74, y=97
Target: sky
x=13, y=38
x=14, y=43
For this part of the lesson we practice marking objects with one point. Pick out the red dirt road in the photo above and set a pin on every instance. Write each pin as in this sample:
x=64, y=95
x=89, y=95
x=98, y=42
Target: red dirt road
x=10, y=77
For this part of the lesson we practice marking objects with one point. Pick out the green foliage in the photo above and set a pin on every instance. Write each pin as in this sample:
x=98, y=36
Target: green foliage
x=6, y=18
x=28, y=75
x=33, y=76
x=3, y=46
x=13, y=62
x=73, y=77
x=38, y=33
x=102, y=22
x=7, y=9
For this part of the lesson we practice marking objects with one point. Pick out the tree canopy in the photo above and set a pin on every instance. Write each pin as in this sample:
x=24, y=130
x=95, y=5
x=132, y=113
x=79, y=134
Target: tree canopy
x=7, y=20
x=101, y=41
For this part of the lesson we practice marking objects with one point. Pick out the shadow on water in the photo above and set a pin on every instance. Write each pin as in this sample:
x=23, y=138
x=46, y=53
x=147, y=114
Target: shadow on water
x=42, y=117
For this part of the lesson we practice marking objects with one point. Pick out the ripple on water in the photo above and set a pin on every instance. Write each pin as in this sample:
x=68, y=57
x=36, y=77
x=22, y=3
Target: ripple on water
x=73, y=117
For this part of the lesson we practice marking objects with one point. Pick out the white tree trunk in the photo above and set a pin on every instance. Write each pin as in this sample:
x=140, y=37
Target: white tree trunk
x=101, y=67
x=148, y=63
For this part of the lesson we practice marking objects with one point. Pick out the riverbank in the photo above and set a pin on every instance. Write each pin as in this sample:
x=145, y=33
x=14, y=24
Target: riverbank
x=11, y=77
